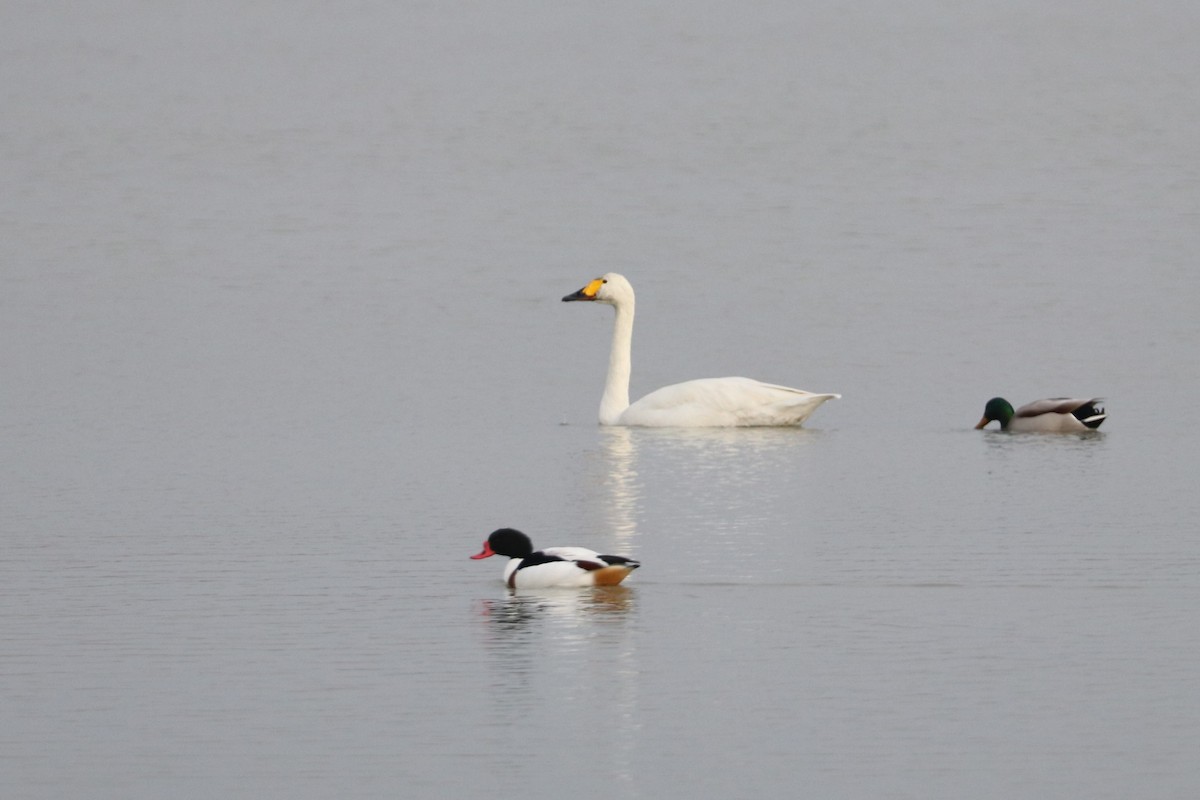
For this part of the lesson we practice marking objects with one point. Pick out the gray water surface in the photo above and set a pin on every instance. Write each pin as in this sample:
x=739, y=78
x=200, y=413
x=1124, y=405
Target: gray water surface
x=282, y=342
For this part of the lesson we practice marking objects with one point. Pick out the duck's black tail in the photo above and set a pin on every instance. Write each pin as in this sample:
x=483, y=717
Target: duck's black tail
x=621, y=561
x=1091, y=413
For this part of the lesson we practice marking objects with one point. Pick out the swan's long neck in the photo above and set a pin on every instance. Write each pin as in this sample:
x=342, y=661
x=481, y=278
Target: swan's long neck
x=616, y=386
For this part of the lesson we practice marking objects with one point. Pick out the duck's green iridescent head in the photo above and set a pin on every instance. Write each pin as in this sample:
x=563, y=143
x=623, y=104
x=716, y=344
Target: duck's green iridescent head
x=997, y=409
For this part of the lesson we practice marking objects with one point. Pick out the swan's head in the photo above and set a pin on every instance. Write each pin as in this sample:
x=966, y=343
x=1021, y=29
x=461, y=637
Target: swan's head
x=609, y=288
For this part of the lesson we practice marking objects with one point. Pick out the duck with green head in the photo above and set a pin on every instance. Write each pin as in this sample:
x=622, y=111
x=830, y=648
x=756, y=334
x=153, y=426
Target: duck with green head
x=1053, y=415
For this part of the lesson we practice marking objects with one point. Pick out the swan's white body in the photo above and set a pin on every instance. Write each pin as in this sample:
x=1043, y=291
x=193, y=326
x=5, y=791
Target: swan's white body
x=707, y=402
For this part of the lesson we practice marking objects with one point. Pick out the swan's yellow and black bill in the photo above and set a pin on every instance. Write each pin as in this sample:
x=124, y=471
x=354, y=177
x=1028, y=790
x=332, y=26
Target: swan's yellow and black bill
x=586, y=293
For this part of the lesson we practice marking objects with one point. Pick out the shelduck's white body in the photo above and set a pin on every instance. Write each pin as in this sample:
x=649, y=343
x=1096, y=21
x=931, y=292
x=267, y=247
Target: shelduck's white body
x=553, y=567
x=707, y=402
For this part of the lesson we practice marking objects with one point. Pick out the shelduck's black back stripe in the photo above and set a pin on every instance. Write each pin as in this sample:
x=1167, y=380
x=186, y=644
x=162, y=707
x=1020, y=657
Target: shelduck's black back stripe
x=622, y=560
x=533, y=559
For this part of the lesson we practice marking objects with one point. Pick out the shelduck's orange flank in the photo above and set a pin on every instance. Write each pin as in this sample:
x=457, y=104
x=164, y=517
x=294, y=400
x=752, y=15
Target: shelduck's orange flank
x=553, y=567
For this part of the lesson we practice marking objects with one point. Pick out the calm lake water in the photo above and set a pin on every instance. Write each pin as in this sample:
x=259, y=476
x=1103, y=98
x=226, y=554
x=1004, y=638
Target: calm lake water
x=282, y=342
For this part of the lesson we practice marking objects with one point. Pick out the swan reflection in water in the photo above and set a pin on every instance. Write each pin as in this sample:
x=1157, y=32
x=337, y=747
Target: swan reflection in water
x=652, y=487
x=702, y=466
x=621, y=499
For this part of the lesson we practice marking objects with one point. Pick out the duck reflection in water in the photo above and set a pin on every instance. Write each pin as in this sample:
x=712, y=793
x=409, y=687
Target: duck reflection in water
x=522, y=607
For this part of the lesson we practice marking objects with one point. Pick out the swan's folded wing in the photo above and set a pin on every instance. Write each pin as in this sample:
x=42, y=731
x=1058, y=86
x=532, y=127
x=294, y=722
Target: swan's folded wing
x=727, y=394
x=733, y=401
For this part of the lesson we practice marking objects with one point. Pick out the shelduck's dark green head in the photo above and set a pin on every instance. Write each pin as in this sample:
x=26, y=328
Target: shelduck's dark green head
x=997, y=409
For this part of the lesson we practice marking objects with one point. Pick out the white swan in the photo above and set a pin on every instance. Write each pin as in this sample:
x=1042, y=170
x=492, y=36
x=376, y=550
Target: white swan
x=708, y=402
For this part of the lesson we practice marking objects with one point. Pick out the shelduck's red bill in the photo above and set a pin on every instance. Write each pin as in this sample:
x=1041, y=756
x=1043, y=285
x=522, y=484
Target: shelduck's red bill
x=485, y=552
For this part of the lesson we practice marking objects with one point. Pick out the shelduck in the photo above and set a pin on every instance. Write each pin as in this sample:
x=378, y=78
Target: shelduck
x=553, y=567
